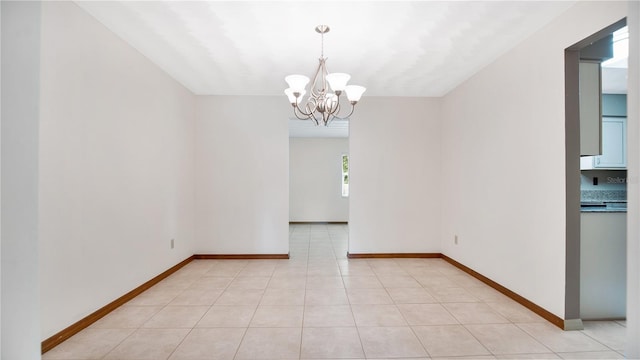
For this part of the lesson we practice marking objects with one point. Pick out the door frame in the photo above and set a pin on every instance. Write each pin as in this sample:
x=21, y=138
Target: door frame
x=572, y=171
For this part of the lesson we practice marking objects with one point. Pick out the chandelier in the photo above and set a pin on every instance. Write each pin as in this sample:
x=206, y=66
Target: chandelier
x=322, y=106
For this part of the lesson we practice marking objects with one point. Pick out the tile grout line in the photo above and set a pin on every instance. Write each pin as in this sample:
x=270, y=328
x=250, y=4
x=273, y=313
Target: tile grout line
x=534, y=338
x=196, y=323
x=140, y=327
x=136, y=329
x=598, y=341
x=442, y=304
x=304, y=298
x=354, y=318
x=444, y=307
x=409, y=325
x=246, y=329
x=510, y=322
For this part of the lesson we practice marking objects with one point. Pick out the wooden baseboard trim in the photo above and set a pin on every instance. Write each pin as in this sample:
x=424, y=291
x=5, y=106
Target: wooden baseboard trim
x=240, y=256
x=75, y=328
x=552, y=318
x=394, y=255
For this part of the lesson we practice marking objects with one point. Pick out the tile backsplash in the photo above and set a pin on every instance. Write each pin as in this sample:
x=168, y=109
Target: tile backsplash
x=611, y=185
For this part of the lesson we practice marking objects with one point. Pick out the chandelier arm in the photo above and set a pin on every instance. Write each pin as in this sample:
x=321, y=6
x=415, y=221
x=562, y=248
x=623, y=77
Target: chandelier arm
x=322, y=120
x=315, y=119
x=353, y=107
x=332, y=111
x=297, y=110
x=300, y=118
x=336, y=108
x=347, y=116
x=330, y=119
x=311, y=106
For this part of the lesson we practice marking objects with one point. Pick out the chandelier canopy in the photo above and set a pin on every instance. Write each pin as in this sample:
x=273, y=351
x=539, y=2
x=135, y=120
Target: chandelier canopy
x=321, y=106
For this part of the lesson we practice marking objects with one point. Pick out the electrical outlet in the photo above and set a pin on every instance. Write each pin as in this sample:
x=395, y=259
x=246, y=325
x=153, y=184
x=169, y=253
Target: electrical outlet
x=455, y=239
x=172, y=243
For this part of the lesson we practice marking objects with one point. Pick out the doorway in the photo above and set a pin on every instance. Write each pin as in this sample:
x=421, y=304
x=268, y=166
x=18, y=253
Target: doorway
x=589, y=206
x=317, y=173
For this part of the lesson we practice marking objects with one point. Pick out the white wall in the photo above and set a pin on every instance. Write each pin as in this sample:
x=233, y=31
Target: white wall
x=395, y=177
x=603, y=266
x=509, y=119
x=242, y=177
x=633, y=191
x=315, y=179
x=19, y=238
x=116, y=167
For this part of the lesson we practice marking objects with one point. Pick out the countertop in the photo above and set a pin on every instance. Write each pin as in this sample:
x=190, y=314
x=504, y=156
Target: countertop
x=604, y=207
x=602, y=210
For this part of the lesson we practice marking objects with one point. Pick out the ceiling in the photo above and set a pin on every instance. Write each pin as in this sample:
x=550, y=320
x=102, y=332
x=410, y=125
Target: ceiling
x=394, y=48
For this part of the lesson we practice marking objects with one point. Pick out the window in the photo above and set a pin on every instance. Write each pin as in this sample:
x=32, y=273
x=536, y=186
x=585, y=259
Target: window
x=345, y=175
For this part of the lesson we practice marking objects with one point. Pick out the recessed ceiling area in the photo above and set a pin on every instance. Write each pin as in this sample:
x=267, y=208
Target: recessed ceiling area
x=338, y=128
x=403, y=48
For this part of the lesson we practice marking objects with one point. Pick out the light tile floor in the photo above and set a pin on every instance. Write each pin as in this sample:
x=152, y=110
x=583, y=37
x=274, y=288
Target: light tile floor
x=320, y=305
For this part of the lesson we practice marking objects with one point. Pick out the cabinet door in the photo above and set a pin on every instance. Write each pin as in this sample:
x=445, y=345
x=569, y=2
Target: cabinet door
x=590, y=108
x=614, y=144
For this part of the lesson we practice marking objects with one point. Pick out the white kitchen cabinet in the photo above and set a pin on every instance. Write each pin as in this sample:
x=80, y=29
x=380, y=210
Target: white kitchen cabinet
x=614, y=146
x=590, y=107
